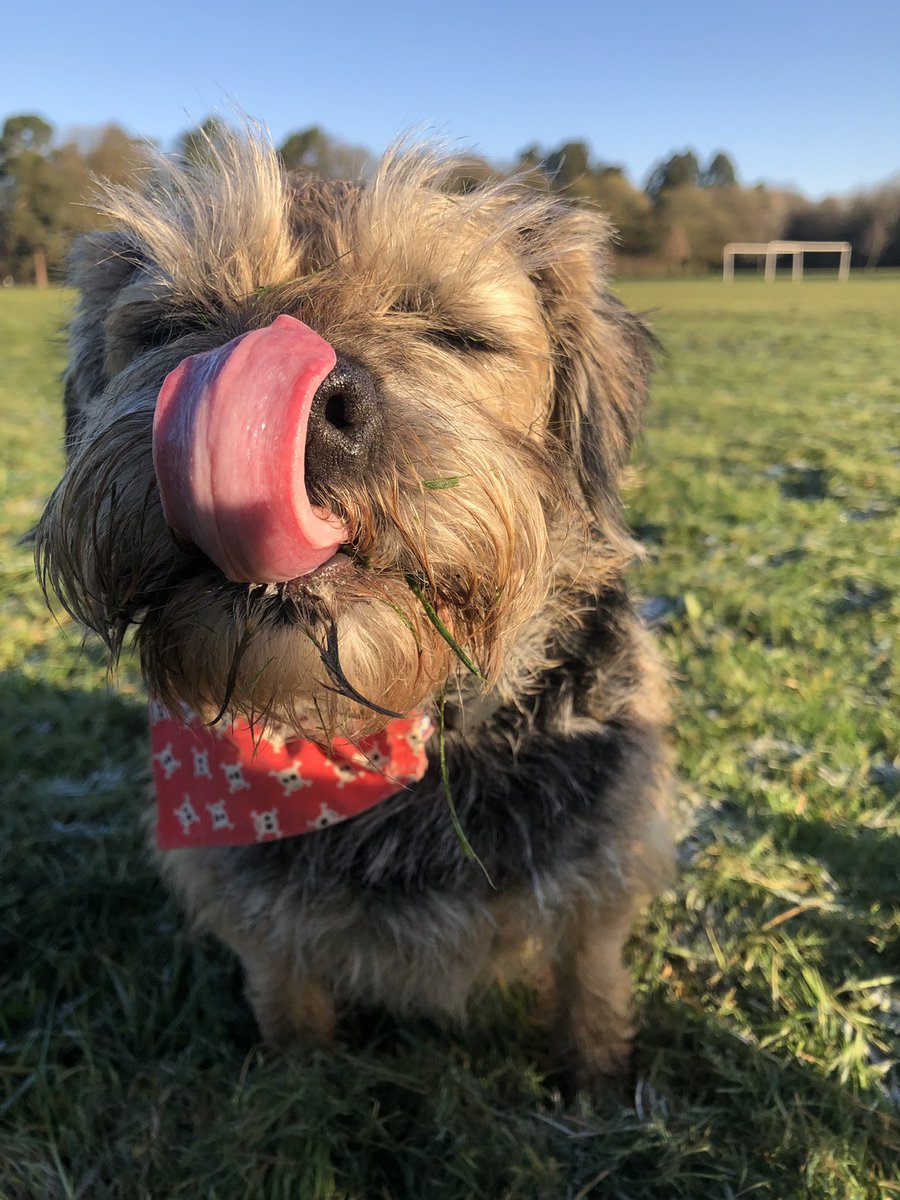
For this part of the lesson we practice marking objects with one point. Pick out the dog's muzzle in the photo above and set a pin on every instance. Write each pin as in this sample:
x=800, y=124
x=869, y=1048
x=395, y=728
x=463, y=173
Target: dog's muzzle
x=247, y=435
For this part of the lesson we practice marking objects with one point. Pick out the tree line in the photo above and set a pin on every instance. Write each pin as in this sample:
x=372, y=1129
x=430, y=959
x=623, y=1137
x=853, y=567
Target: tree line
x=676, y=223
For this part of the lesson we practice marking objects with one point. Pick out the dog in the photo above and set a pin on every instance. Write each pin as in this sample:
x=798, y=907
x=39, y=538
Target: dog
x=346, y=459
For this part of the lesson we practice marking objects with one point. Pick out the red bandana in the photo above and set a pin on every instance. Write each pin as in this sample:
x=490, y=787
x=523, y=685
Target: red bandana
x=227, y=786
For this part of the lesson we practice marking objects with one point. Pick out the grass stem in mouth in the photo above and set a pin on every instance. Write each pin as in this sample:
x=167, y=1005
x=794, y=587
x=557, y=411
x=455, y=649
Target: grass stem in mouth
x=431, y=614
x=465, y=844
x=406, y=621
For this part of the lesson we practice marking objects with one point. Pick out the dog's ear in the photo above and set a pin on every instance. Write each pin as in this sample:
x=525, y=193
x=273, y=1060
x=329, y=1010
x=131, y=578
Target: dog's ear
x=102, y=265
x=602, y=352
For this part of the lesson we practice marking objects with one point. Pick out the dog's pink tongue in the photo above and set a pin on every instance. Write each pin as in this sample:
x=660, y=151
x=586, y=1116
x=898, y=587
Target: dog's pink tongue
x=229, y=449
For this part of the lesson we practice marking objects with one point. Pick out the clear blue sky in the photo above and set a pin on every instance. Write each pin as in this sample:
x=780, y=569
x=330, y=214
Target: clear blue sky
x=798, y=92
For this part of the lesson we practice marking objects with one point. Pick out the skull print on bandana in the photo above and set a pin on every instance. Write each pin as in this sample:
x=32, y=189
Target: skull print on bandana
x=228, y=785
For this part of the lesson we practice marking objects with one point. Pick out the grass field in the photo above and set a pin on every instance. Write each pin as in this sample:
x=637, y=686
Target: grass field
x=767, y=982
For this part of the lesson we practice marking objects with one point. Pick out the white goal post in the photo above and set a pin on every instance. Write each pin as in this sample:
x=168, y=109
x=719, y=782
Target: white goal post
x=771, y=250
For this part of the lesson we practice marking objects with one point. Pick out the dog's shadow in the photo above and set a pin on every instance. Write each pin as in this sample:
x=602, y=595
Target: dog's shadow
x=108, y=990
x=89, y=934
x=88, y=916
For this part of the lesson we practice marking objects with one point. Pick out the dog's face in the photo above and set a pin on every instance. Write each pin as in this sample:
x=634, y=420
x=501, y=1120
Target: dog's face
x=487, y=390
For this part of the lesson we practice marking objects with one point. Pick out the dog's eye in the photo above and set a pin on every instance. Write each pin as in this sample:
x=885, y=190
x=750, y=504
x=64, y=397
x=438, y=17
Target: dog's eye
x=162, y=331
x=144, y=327
x=462, y=341
x=132, y=329
x=459, y=338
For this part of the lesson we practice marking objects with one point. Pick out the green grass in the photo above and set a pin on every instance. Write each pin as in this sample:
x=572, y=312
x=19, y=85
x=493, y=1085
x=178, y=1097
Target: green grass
x=767, y=983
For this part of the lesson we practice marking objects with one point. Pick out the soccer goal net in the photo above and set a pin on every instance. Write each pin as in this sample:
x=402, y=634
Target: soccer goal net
x=771, y=250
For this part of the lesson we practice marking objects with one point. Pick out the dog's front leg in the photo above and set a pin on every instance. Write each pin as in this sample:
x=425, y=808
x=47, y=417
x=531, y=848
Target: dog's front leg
x=289, y=1010
x=585, y=1000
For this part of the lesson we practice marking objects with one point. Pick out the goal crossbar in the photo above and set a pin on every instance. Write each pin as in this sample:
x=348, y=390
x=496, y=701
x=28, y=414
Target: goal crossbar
x=771, y=250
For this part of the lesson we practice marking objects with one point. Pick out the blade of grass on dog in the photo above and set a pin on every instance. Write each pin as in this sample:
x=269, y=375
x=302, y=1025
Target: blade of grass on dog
x=407, y=622
x=431, y=614
x=464, y=843
x=438, y=485
x=274, y=287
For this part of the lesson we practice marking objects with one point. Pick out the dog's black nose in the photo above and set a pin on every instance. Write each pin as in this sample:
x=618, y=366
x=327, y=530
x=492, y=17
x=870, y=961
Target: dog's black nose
x=344, y=426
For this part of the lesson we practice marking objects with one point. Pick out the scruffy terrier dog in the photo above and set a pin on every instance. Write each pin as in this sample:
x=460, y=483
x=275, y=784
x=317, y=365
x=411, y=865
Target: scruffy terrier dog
x=345, y=453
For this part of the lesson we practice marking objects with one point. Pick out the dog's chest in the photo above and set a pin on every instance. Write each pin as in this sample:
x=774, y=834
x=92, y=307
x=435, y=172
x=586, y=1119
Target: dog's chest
x=530, y=817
